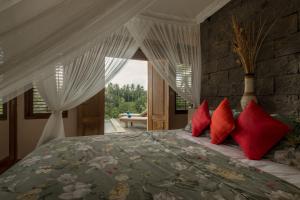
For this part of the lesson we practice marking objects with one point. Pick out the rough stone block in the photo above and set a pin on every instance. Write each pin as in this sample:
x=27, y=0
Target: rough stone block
x=213, y=102
x=210, y=67
x=236, y=74
x=223, y=49
x=224, y=90
x=291, y=6
x=222, y=35
x=282, y=104
x=228, y=62
x=295, y=60
x=227, y=11
x=219, y=78
x=289, y=84
x=205, y=78
x=204, y=55
x=209, y=90
x=264, y=86
x=284, y=26
x=218, y=50
x=266, y=52
x=237, y=88
x=288, y=45
x=277, y=67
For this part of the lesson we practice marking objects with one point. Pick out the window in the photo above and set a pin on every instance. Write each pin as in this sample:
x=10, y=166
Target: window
x=184, y=78
x=3, y=110
x=38, y=104
x=184, y=83
x=35, y=107
x=181, y=105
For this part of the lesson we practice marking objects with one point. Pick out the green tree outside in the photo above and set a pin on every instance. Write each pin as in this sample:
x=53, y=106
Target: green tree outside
x=129, y=98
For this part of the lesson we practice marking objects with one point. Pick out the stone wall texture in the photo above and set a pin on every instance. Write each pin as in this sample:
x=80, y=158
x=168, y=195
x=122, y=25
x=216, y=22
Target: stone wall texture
x=278, y=65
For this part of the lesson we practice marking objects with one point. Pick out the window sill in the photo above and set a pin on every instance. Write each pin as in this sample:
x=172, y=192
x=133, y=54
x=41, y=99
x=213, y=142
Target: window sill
x=181, y=112
x=43, y=115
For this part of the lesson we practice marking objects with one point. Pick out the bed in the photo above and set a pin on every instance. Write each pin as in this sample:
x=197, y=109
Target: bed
x=147, y=165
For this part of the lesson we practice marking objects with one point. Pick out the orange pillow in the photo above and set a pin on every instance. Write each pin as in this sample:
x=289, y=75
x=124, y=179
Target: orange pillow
x=222, y=123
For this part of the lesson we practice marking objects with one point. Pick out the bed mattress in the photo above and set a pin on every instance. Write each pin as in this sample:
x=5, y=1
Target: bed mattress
x=147, y=165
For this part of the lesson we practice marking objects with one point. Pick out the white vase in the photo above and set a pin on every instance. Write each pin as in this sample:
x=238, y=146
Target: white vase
x=249, y=92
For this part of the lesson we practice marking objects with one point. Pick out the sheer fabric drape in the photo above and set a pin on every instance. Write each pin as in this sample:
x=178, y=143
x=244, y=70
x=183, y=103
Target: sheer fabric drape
x=72, y=83
x=174, y=50
x=64, y=46
x=34, y=38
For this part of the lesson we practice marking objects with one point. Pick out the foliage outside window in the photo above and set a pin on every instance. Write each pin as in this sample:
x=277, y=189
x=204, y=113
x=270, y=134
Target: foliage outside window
x=128, y=98
x=3, y=110
x=35, y=106
x=181, y=105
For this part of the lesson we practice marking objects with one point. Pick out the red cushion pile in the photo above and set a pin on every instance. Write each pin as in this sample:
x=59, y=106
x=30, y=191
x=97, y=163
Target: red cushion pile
x=255, y=131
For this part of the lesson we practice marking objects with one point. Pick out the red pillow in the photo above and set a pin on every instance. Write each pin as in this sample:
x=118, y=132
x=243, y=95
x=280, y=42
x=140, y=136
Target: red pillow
x=222, y=122
x=256, y=132
x=201, y=119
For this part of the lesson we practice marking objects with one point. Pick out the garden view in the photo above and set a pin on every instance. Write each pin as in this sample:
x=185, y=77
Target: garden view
x=128, y=98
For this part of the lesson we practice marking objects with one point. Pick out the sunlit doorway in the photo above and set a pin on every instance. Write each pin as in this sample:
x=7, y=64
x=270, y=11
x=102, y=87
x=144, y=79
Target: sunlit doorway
x=126, y=99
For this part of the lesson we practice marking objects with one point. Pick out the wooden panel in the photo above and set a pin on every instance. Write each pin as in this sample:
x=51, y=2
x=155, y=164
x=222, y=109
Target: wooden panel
x=158, y=94
x=91, y=115
x=13, y=130
x=176, y=120
x=157, y=101
x=149, y=98
x=11, y=156
x=4, y=139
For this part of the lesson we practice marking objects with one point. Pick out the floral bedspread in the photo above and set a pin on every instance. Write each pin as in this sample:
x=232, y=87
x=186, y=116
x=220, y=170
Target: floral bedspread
x=148, y=165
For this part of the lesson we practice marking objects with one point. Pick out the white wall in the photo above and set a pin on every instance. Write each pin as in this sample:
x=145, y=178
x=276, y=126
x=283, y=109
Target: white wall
x=30, y=130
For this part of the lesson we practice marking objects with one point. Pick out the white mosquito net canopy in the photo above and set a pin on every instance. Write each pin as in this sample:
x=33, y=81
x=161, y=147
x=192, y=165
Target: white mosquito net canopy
x=69, y=49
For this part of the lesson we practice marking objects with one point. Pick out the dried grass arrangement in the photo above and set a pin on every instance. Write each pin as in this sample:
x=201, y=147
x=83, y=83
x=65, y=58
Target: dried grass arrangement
x=248, y=39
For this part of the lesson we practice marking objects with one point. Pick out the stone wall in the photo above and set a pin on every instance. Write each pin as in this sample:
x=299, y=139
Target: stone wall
x=278, y=66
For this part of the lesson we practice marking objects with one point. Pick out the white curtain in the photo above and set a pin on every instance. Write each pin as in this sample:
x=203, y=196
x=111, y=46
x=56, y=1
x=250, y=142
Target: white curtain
x=70, y=48
x=72, y=83
x=37, y=34
x=174, y=50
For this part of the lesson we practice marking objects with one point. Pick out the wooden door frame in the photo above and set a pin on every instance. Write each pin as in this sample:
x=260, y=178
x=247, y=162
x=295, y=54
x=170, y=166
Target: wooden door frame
x=13, y=130
x=165, y=103
x=139, y=55
x=13, y=147
x=149, y=98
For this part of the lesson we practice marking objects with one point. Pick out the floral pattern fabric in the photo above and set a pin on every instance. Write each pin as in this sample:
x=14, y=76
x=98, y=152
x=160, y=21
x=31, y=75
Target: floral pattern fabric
x=147, y=165
x=287, y=151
